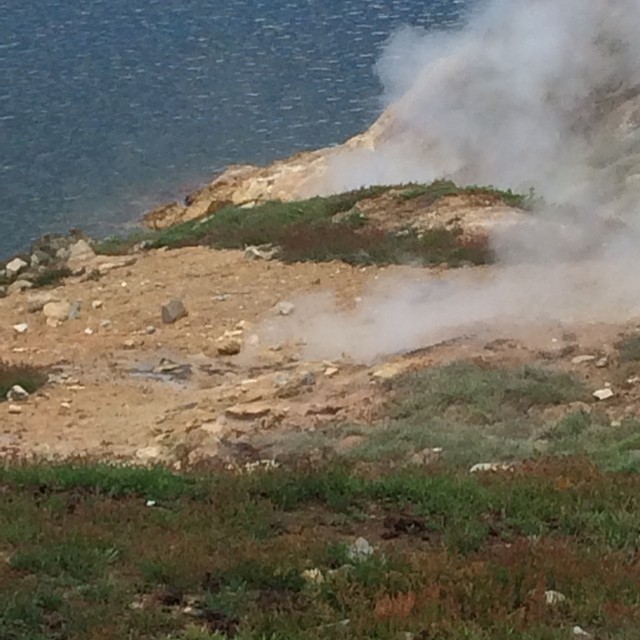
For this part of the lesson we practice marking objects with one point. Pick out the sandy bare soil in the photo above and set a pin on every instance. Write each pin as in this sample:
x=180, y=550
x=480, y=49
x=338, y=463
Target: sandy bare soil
x=124, y=385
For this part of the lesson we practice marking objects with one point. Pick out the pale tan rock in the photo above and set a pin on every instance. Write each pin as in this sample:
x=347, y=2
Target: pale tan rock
x=248, y=411
x=229, y=345
x=389, y=371
x=57, y=311
x=81, y=254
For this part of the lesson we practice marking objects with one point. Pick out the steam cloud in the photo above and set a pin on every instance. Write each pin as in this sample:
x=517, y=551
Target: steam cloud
x=530, y=93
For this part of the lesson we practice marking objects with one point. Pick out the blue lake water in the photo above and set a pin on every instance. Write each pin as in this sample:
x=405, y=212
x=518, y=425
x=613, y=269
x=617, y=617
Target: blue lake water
x=108, y=107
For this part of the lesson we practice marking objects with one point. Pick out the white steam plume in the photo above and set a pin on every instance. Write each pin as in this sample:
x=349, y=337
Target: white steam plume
x=529, y=93
x=542, y=93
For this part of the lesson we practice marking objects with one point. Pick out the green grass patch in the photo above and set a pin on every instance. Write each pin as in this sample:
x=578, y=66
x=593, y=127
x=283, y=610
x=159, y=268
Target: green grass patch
x=629, y=349
x=122, y=245
x=306, y=230
x=270, y=554
x=431, y=193
x=29, y=377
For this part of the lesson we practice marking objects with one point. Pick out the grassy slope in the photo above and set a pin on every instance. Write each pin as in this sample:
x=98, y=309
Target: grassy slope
x=305, y=230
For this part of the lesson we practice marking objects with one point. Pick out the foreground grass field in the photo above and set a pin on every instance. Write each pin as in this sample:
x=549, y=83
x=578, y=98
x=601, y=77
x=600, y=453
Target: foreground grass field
x=103, y=552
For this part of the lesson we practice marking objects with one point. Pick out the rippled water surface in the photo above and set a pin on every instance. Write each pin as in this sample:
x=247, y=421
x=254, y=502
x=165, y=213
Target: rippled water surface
x=110, y=106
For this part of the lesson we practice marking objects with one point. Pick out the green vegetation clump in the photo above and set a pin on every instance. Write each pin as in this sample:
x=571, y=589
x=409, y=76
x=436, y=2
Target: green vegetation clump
x=27, y=376
x=307, y=231
x=51, y=277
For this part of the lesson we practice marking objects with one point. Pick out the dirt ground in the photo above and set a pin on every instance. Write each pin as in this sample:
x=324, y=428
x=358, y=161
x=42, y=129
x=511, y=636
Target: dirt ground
x=124, y=385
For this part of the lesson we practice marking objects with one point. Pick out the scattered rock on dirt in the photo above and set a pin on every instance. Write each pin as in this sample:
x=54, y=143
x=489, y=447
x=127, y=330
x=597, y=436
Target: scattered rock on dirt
x=360, y=550
x=230, y=343
x=21, y=328
x=17, y=393
x=172, y=311
x=583, y=359
x=388, y=371
x=248, y=411
x=261, y=252
x=603, y=394
x=284, y=308
x=56, y=312
x=36, y=301
x=18, y=286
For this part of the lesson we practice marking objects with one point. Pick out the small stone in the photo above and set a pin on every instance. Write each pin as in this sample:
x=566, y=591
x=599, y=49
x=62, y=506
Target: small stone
x=360, y=550
x=172, y=311
x=88, y=331
x=57, y=311
x=248, y=411
x=36, y=301
x=313, y=576
x=15, y=266
x=388, y=371
x=97, y=304
x=602, y=362
x=603, y=394
x=554, y=597
x=579, y=632
x=129, y=344
x=329, y=372
x=149, y=329
x=17, y=394
x=65, y=405
x=148, y=454
x=284, y=308
x=105, y=324
x=15, y=409
x=583, y=359
x=229, y=345
x=19, y=285
x=426, y=456
x=484, y=467
x=74, y=312
x=21, y=328
x=260, y=252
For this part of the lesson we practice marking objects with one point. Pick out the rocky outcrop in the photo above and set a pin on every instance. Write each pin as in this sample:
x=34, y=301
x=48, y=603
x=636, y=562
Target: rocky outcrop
x=302, y=175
